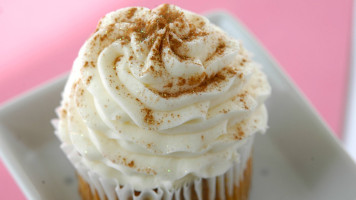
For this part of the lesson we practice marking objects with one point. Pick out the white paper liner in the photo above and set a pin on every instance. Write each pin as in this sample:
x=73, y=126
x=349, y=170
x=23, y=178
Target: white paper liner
x=113, y=190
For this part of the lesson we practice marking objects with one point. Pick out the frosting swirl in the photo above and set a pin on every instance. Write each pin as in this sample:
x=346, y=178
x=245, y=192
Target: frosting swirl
x=161, y=96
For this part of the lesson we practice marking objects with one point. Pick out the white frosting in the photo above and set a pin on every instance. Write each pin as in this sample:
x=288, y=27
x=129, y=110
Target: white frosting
x=160, y=97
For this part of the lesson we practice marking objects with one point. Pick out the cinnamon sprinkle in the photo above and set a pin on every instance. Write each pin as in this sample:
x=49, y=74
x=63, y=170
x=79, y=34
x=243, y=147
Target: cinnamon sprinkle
x=242, y=99
x=117, y=59
x=169, y=85
x=131, y=12
x=88, y=80
x=63, y=113
x=99, y=25
x=149, y=119
x=86, y=64
x=197, y=79
x=239, y=133
x=131, y=164
x=137, y=193
x=216, y=79
x=219, y=51
x=181, y=81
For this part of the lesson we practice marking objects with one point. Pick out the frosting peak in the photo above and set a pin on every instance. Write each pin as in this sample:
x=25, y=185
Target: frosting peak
x=170, y=51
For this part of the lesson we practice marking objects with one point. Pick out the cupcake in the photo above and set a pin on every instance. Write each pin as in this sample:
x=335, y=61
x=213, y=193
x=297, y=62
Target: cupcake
x=162, y=104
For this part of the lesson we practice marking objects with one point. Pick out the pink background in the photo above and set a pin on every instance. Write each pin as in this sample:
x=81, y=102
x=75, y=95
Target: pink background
x=311, y=40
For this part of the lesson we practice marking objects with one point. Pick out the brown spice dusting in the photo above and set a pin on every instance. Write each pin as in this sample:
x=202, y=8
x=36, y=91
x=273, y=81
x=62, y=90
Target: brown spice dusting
x=243, y=61
x=193, y=34
x=175, y=43
x=242, y=97
x=245, y=106
x=75, y=85
x=220, y=77
x=180, y=57
x=220, y=48
x=124, y=39
x=239, y=133
x=166, y=16
x=131, y=164
x=194, y=80
x=123, y=161
x=131, y=12
x=103, y=37
x=218, y=51
x=166, y=13
x=144, y=29
x=86, y=64
x=137, y=193
x=181, y=81
x=63, y=113
x=88, y=80
x=202, y=137
x=149, y=119
x=117, y=59
x=231, y=70
x=147, y=170
x=98, y=26
x=152, y=68
x=216, y=79
x=169, y=85
x=77, y=103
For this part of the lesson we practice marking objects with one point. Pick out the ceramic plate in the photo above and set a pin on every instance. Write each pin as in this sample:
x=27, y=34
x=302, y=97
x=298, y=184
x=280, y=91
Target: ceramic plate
x=298, y=159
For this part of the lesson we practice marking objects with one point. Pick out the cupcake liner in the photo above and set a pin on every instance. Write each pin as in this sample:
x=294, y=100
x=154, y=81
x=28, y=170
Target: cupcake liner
x=219, y=187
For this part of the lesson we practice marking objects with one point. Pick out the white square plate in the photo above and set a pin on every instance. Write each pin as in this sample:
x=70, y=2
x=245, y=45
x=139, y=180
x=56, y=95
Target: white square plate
x=298, y=159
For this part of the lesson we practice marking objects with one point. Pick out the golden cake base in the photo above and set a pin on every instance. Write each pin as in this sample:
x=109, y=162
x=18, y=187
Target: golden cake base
x=240, y=192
